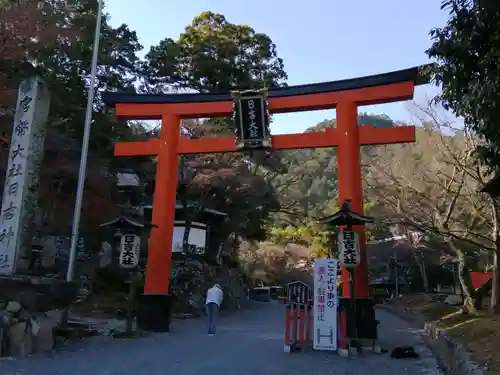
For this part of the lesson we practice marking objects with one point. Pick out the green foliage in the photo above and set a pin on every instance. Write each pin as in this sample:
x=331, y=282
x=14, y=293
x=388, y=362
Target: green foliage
x=215, y=55
x=467, y=51
x=22, y=52
x=313, y=236
x=227, y=183
x=67, y=72
x=61, y=53
x=63, y=56
x=308, y=188
x=265, y=263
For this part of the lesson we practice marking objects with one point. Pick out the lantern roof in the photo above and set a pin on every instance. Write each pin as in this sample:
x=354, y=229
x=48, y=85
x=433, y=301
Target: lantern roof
x=189, y=204
x=345, y=216
x=133, y=221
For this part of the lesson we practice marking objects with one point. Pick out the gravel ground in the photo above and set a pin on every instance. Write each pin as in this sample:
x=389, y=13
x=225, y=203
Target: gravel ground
x=247, y=343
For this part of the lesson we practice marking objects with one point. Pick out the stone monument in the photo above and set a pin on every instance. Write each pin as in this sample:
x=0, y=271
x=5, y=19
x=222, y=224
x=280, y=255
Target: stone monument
x=20, y=193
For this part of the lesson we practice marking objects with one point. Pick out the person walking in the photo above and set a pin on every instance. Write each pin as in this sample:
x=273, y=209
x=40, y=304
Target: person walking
x=212, y=304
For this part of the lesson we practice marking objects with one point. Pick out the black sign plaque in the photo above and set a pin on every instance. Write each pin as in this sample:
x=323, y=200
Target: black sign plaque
x=251, y=117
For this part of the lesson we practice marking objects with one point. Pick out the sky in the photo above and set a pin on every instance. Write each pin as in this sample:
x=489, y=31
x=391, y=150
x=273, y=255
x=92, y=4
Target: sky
x=319, y=40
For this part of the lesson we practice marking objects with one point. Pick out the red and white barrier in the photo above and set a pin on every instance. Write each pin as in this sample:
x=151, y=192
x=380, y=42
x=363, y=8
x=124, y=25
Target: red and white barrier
x=298, y=326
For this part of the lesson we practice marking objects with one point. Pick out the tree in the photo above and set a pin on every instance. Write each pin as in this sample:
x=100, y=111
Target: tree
x=29, y=28
x=432, y=186
x=227, y=183
x=270, y=264
x=67, y=73
x=467, y=50
x=318, y=240
x=68, y=70
x=214, y=55
x=61, y=53
x=307, y=180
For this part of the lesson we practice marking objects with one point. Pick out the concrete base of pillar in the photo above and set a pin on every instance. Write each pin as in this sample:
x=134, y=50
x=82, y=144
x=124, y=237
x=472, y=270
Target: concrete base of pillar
x=353, y=352
x=343, y=352
x=154, y=312
x=370, y=346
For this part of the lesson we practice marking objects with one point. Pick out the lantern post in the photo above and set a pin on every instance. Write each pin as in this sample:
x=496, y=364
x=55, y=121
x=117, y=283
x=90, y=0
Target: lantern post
x=349, y=256
x=128, y=233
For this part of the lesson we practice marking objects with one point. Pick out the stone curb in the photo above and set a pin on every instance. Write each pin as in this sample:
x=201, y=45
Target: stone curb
x=452, y=356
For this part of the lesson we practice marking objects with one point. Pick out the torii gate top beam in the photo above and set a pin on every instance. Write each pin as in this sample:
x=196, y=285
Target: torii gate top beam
x=369, y=90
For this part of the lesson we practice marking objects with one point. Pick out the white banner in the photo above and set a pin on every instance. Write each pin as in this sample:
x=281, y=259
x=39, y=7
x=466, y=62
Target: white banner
x=129, y=251
x=325, y=304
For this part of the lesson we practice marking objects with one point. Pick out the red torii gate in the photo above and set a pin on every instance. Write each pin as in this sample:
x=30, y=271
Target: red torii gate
x=348, y=137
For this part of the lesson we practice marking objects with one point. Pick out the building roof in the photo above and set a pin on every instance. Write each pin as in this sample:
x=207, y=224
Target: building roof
x=134, y=221
x=127, y=179
x=190, y=204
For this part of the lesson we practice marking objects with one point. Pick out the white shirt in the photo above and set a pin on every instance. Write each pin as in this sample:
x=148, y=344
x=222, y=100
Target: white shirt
x=214, y=295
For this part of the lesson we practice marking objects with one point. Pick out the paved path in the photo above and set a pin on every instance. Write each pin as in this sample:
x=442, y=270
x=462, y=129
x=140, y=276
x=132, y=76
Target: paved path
x=247, y=343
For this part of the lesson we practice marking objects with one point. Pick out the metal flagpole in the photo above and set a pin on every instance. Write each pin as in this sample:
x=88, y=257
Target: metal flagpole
x=85, y=146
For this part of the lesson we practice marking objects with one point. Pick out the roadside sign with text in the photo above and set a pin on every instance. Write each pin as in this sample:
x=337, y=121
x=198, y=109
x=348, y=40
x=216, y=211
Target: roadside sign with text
x=325, y=304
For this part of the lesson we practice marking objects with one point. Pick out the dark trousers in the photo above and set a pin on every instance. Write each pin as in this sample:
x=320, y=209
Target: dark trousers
x=212, y=309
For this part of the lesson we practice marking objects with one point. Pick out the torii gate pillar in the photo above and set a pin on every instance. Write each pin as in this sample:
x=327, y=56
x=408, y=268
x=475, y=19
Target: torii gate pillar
x=350, y=187
x=163, y=215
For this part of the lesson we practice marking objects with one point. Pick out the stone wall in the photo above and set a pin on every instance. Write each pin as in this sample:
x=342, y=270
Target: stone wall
x=23, y=332
x=452, y=356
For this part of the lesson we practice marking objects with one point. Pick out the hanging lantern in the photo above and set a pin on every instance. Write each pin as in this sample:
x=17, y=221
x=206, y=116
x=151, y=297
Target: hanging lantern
x=251, y=117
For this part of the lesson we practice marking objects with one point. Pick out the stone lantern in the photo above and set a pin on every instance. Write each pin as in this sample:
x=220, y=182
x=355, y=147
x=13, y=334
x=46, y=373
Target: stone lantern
x=128, y=234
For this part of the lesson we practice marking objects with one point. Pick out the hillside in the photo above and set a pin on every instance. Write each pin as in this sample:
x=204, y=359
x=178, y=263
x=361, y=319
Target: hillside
x=309, y=187
x=424, y=191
